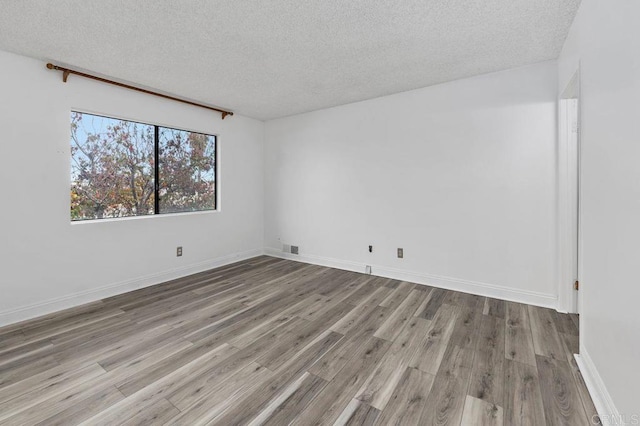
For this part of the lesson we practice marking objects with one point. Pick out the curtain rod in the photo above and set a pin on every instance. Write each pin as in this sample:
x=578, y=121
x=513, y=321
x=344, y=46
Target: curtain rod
x=67, y=71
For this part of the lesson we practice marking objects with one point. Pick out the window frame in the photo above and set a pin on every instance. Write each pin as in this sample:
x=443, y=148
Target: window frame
x=156, y=170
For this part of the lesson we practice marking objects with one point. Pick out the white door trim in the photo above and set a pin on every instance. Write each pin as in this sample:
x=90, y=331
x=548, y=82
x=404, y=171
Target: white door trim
x=569, y=235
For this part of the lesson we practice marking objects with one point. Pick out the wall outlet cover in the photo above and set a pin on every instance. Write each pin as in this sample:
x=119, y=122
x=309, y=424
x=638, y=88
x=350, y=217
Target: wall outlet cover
x=400, y=253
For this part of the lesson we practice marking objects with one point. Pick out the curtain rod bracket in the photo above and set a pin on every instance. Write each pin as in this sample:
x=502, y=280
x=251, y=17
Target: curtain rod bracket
x=66, y=72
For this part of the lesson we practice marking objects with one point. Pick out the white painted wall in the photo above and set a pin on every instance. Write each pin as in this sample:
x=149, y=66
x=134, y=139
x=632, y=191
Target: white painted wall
x=605, y=41
x=461, y=175
x=47, y=263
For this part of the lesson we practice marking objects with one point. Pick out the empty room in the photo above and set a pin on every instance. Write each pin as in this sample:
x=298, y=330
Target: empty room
x=320, y=212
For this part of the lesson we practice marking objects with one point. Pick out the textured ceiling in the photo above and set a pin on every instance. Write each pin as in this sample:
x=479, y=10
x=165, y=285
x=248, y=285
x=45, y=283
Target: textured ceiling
x=273, y=58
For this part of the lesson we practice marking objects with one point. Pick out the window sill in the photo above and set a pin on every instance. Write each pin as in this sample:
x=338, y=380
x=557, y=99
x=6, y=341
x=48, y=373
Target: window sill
x=149, y=216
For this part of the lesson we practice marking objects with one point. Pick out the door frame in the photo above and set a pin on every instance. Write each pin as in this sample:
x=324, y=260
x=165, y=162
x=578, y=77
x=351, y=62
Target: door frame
x=569, y=199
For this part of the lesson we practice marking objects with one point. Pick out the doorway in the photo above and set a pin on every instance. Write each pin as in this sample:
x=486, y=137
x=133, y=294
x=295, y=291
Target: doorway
x=570, y=241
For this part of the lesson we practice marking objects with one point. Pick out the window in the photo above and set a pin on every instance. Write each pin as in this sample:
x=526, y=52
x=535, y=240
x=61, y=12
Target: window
x=121, y=168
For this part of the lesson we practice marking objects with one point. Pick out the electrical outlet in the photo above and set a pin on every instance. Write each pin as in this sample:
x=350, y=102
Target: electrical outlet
x=400, y=253
x=370, y=249
x=294, y=249
x=179, y=251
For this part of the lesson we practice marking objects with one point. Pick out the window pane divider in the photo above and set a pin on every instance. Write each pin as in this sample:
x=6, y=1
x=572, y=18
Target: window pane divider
x=156, y=169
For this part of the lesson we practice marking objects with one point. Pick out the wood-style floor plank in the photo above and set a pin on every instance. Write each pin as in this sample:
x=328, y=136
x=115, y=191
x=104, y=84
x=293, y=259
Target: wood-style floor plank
x=494, y=307
x=286, y=407
x=379, y=387
x=522, y=395
x=257, y=401
x=587, y=402
x=562, y=403
x=481, y=413
x=86, y=408
x=220, y=396
x=434, y=344
x=140, y=378
x=409, y=398
x=436, y=298
x=518, y=336
x=546, y=340
x=401, y=315
x=445, y=403
x=487, y=377
x=397, y=295
x=271, y=341
x=338, y=356
x=46, y=387
x=333, y=399
x=358, y=413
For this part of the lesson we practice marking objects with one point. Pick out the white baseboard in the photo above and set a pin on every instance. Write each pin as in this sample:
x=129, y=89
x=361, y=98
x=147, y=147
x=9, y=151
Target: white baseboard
x=607, y=411
x=449, y=283
x=38, y=309
x=483, y=289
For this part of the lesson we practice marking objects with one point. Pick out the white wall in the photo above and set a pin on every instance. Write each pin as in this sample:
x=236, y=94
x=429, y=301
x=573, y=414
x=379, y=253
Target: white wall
x=605, y=41
x=47, y=263
x=461, y=175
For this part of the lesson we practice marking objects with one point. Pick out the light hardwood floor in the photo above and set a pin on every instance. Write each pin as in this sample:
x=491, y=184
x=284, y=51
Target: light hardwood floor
x=270, y=341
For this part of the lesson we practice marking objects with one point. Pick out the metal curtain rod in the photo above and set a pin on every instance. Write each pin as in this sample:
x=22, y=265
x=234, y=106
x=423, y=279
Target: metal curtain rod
x=67, y=71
